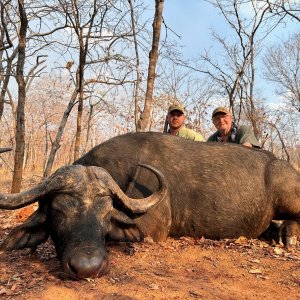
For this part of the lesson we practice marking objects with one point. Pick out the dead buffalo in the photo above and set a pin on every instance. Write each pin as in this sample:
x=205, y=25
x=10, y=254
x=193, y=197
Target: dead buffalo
x=183, y=188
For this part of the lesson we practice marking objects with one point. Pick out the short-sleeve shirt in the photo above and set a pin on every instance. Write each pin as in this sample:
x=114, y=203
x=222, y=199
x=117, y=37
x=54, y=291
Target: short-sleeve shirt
x=190, y=134
x=241, y=135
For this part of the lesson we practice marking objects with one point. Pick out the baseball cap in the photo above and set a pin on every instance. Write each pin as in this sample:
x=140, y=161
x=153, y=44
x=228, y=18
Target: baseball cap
x=221, y=109
x=176, y=106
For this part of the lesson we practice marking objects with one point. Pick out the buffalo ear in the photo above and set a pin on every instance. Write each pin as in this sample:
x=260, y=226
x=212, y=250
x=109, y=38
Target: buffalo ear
x=123, y=228
x=120, y=217
x=31, y=233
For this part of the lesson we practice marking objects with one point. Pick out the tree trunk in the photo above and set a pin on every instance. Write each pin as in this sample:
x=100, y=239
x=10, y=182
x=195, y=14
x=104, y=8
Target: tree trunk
x=56, y=144
x=88, y=129
x=46, y=147
x=79, y=123
x=20, y=126
x=83, y=40
x=137, y=62
x=253, y=113
x=6, y=80
x=288, y=158
x=80, y=86
x=153, y=56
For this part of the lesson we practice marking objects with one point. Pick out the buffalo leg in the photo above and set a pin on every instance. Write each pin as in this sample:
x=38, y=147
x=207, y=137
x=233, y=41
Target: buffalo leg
x=289, y=233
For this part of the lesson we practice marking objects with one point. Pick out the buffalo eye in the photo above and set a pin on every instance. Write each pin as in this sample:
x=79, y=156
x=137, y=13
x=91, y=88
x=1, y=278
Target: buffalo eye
x=103, y=207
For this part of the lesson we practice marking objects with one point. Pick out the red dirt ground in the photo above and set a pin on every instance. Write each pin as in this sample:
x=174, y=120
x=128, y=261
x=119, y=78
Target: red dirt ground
x=176, y=269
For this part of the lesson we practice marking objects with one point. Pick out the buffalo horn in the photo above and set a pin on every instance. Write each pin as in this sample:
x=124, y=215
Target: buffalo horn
x=18, y=200
x=143, y=204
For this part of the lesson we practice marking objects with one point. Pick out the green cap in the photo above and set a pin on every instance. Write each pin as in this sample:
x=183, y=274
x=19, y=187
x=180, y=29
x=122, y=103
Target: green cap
x=221, y=109
x=176, y=106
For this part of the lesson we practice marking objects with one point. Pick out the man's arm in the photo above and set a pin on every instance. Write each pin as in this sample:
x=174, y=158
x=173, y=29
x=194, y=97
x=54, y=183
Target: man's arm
x=246, y=137
x=247, y=144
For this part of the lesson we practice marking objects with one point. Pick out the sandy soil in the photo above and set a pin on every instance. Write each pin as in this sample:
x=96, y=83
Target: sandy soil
x=176, y=269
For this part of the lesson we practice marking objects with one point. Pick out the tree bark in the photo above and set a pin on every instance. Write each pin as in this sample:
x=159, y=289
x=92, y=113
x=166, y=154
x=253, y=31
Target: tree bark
x=6, y=80
x=56, y=144
x=83, y=50
x=20, y=125
x=153, y=56
x=80, y=79
x=137, y=62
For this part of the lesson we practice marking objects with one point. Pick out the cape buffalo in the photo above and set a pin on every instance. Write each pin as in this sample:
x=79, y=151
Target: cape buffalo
x=182, y=188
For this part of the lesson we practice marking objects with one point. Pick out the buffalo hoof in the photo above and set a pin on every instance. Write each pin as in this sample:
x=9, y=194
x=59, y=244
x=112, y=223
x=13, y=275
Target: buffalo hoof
x=271, y=234
x=289, y=233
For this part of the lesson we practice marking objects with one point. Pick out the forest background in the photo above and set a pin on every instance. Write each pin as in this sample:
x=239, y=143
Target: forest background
x=75, y=73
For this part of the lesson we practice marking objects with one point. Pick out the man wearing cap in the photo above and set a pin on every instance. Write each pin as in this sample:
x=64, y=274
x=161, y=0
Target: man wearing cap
x=228, y=132
x=175, y=119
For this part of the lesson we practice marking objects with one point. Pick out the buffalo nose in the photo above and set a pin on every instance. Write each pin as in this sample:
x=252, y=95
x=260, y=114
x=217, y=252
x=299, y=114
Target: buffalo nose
x=87, y=266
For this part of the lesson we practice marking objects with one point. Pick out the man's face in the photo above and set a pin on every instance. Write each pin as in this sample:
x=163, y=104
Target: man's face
x=175, y=119
x=223, y=122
